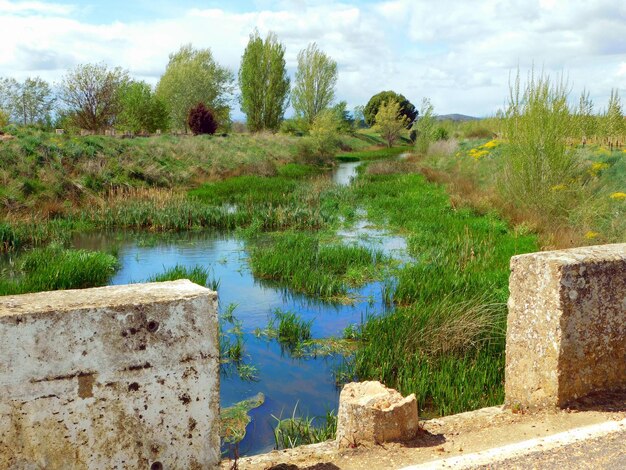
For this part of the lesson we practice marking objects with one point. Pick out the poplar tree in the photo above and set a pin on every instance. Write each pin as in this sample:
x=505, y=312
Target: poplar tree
x=316, y=78
x=263, y=82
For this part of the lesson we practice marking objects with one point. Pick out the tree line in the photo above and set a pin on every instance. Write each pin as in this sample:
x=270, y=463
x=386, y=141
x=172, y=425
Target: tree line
x=194, y=86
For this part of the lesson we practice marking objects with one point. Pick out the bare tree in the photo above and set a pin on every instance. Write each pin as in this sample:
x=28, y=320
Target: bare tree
x=91, y=92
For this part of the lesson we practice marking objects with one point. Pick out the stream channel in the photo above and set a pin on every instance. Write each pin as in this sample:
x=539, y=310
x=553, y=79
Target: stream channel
x=286, y=382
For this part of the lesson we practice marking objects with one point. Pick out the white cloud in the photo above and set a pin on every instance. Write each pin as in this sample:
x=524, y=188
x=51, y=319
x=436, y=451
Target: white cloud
x=458, y=53
x=35, y=7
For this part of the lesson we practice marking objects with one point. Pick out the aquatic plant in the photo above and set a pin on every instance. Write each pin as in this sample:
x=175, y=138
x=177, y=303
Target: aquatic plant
x=196, y=274
x=296, y=431
x=54, y=268
x=312, y=266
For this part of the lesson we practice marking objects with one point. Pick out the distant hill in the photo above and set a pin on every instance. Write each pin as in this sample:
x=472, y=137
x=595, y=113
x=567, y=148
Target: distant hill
x=456, y=117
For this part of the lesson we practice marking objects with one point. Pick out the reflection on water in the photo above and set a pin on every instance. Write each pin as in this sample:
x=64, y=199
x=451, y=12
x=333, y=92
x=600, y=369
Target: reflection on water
x=285, y=381
x=345, y=173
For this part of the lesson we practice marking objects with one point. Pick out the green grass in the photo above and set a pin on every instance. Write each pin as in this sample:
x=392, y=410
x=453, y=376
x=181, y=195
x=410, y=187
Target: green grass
x=296, y=431
x=305, y=263
x=288, y=328
x=247, y=190
x=53, y=268
x=196, y=274
x=445, y=342
x=39, y=168
x=48, y=173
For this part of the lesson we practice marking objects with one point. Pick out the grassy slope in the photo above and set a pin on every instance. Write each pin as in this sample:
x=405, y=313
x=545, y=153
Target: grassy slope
x=48, y=173
x=588, y=209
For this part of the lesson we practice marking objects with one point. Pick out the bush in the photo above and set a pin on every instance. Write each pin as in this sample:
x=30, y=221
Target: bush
x=295, y=126
x=4, y=119
x=441, y=133
x=537, y=158
x=479, y=133
x=201, y=120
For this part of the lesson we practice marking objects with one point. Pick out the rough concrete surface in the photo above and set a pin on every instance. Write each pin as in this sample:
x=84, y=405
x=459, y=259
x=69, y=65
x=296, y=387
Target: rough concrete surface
x=369, y=412
x=566, y=332
x=115, y=377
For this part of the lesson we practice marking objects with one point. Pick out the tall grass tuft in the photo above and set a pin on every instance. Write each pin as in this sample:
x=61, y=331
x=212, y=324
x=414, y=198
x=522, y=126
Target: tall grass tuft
x=289, y=328
x=302, y=262
x=53, y=268
x=296, y=431
x=196, y=274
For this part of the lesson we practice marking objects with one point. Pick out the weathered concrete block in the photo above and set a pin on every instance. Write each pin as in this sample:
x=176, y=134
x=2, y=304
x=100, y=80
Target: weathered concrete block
x=566, y=334
x=115, y=377
x=371, y=413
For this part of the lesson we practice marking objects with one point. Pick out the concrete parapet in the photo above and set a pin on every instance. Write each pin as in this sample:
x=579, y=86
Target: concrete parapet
x=115, y=377
x=566, y=332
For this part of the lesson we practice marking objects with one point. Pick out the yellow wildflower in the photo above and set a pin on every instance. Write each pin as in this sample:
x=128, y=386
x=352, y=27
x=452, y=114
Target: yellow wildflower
x=597, y=167
x=478, y=154
x=590, y=235
x=558, y=187
x=618, y=195
x=491, y=144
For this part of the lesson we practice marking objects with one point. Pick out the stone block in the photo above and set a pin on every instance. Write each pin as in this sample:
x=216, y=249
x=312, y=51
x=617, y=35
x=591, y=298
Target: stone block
x=566, y=329
x=114, y=377
x=370, y=413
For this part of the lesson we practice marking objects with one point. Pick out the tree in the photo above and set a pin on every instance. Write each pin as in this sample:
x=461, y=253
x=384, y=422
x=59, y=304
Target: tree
x=358, y=117
x=425, y=126
x=406, y=107
x=141, y=109
x=27, y=103
x=201, y=120
x=316, y=78
x=343, y=117
x=390, y=121
x=613, y=119
x=193, y=76
x=264, y=82
x=91, y=93
x=586, y=122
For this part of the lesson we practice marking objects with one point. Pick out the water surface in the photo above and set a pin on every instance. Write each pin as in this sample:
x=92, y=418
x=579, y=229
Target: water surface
x=286, y=382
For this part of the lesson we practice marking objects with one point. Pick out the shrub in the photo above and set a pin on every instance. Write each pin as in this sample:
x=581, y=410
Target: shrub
x=425, y=127
x=479, y=133
x=4, y=119
x=537, y=122
x=201, y=120
x=441, y=133
x=295, y=126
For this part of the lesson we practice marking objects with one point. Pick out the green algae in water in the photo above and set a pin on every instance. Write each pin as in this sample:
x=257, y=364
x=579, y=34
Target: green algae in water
x=234, y=419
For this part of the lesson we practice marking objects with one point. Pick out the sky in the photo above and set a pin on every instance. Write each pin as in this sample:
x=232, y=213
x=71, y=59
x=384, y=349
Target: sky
x=459, y=53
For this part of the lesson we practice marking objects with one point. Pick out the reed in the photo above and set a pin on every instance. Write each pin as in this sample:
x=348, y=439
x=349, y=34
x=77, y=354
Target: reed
x=304, y=263
x=53, y=268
